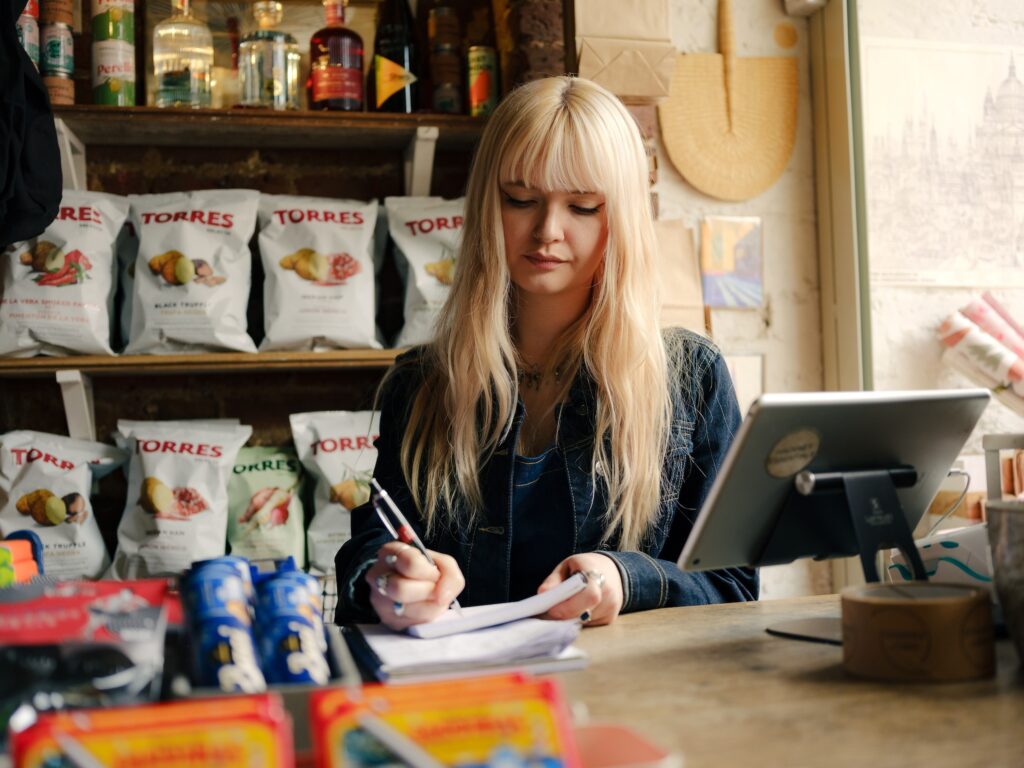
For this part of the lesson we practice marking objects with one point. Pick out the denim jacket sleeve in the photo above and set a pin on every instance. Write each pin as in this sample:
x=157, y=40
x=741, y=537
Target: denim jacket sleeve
x=652, y=579
x=368, y=533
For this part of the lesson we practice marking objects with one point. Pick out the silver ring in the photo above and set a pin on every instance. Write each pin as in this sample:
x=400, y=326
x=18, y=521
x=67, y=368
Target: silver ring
x=398, y=608
x=390, y=559
x=382, y=583
x=596, y=577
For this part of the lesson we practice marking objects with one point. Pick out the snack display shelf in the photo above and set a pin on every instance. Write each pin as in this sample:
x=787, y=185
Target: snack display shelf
x=151, y=126
x=212, y=362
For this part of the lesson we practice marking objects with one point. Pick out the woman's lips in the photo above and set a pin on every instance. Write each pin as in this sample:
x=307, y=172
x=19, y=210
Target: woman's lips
x=542, y=261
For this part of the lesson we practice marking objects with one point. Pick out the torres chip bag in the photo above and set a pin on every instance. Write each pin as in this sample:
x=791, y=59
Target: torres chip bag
x=337, y=449
x=318, y=258
x=193, y=271
x=58, y=288
x=45, y=482
x=265, y=520
x=176, y=511
x=425, y=231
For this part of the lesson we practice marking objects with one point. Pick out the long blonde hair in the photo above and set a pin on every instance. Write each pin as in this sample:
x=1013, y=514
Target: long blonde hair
x=559, y=133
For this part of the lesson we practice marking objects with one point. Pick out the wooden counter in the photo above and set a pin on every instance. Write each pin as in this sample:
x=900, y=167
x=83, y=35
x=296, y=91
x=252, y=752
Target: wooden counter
x=710, y=684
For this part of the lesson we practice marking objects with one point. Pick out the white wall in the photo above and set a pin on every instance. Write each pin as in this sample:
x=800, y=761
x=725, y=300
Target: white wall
x=787, y=330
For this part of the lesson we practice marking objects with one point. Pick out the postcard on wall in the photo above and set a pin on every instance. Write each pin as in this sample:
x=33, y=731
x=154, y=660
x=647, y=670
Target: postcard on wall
x=731, y=262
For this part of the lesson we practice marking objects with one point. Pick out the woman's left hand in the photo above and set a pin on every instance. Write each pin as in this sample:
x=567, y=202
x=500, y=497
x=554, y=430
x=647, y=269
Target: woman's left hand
x=601, y=600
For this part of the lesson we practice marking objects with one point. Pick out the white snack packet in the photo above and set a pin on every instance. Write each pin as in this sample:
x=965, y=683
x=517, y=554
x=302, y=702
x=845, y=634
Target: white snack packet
x=319, y=290
x=45, y=482
x=425, y=231
x=336, y=448
x=58, y=288
x=265, y=517
x=193, y=271
x=176, y=511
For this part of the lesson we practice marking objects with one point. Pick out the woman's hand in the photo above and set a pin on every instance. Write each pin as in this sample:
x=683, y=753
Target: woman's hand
x=600, y=601
x=405, y=589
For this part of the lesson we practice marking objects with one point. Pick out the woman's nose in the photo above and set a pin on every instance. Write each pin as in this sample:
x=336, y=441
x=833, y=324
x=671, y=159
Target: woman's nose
x=549, y=226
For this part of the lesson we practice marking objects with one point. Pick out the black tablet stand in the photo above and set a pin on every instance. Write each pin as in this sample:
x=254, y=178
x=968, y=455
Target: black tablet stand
x=836, y=513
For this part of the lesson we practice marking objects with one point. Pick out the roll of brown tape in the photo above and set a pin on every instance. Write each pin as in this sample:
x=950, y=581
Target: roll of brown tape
x=918, y=631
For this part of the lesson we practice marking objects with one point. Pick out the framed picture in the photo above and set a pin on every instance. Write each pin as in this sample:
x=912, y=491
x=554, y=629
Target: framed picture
x=731, y=262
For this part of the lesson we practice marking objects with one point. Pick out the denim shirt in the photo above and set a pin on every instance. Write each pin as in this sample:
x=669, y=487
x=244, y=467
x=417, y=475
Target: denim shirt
x=705, y=418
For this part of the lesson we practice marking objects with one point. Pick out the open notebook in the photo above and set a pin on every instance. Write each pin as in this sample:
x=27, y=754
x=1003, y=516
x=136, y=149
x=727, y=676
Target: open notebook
x=479, y=616
x=477, y=640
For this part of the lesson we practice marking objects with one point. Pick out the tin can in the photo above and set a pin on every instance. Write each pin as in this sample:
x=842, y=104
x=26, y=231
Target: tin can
x=443, y=27
x=57, y=12
x=60, y=88
x=238, y=564
x=290, y=628
x=57, y=51
x=446, y=78
x=113, y=73
x=482, y=66
x=28, y=36
x=226, y=656
x=31, y=9
x=113, y=20
x=216, y=592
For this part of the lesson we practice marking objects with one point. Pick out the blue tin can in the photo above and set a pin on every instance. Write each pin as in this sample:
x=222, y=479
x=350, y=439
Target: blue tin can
x=226, y=656
x=216, y=591
x=291, y=651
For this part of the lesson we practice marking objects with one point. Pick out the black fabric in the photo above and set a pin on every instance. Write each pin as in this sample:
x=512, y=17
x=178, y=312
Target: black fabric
x=30, y=177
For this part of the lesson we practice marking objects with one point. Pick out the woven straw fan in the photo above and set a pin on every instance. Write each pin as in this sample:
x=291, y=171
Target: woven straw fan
x=729, y=124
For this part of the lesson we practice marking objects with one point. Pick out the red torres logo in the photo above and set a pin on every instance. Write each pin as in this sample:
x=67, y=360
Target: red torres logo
x=298, y=215
x=423, y=226
x=335, y=444
x=209, y=218
x=28, y=455
x=82, y=213
x=170, y=446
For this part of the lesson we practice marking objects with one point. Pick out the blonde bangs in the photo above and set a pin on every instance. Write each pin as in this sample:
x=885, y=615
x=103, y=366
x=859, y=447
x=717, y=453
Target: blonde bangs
x=552, y=155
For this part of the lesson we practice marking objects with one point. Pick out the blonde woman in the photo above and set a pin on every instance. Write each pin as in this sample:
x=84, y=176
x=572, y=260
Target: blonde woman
x=551, y=426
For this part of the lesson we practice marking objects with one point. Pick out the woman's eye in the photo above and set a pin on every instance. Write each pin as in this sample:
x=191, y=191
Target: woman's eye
x=516, y=202
x=584, y=211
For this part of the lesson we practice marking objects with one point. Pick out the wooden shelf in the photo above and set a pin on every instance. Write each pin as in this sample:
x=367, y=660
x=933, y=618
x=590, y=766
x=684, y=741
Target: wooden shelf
x=213, y=362
x=261, y=128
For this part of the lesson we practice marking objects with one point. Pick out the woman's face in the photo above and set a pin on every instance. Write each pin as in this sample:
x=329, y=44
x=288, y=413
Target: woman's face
x=554, y=240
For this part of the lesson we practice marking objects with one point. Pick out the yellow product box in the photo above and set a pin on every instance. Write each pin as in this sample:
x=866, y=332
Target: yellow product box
x=509, y=719
x=229, y=732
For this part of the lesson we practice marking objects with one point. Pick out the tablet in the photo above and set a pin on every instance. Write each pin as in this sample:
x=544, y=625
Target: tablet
x=785, y=435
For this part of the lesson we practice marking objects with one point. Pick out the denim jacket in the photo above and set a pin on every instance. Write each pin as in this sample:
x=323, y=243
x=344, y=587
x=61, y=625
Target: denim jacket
x=705, y=417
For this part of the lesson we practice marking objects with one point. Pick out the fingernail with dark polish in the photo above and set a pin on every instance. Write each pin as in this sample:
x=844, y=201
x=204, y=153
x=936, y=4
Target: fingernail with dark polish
x=585, y=617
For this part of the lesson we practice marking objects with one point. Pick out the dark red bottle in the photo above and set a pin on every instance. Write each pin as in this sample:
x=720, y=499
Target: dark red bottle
x=335, y=63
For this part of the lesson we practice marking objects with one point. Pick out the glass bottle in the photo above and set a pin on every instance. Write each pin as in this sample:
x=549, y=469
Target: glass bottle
x=269, y=61
x=393, y=83
x=335, y=63
x=182, y=59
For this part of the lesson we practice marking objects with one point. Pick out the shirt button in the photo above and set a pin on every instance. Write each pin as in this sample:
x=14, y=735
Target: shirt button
x=581, y=409
x=599, y=468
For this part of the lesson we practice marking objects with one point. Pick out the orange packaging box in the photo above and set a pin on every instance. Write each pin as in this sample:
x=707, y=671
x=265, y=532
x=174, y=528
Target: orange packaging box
x=469, y=721
x=229, y=732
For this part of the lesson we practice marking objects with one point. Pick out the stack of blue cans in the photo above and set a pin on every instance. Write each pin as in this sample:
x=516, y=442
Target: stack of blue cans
x=250, y=629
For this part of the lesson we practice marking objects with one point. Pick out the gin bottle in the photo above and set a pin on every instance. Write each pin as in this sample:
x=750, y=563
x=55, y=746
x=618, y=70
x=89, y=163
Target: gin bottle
x=269, y=62
x=182, y=59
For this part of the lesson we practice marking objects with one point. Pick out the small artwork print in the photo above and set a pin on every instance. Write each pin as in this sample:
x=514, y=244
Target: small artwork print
x=730, y=261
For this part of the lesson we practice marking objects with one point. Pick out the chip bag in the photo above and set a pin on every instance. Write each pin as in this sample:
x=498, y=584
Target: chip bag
x=45, y=481
x=337, y=449
x=193, y=271
x=318, y=258
x=177, y=506
x=425, y=231
x=58, y=289
x=265, y=520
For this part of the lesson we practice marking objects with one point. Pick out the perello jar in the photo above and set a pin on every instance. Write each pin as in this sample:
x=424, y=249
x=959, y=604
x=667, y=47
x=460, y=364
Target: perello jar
x=113, y=73
x=113, y=20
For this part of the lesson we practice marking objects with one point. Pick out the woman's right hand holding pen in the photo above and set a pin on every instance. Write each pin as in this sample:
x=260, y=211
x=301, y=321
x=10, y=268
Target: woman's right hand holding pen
x=405, y=589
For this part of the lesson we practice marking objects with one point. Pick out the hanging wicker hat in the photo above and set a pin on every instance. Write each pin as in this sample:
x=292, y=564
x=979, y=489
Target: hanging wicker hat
x=729, y=124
